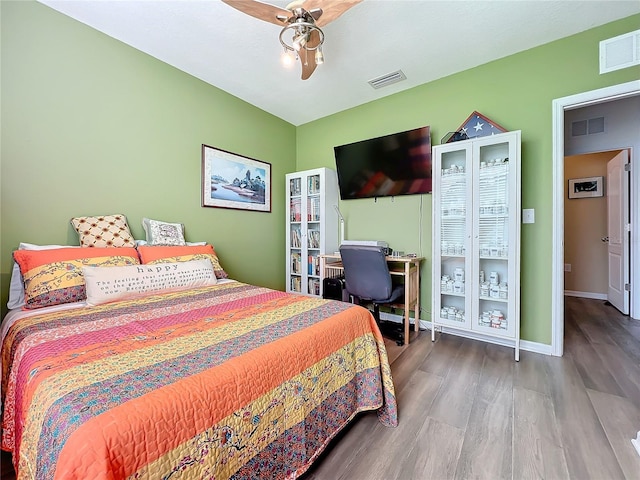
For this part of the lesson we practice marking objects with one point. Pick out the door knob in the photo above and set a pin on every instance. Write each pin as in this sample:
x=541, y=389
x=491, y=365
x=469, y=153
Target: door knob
x=605, y=239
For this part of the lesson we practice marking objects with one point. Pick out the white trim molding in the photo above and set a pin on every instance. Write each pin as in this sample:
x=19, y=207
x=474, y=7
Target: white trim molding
x=593, y=295
x=636, y=443
x=559, y=106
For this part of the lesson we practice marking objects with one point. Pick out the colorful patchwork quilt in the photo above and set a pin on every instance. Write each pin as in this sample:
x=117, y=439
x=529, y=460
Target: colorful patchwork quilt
x=228, y=381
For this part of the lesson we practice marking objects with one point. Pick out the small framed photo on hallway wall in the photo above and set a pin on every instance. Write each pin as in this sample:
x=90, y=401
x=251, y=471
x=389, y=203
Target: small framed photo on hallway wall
x=586, y=187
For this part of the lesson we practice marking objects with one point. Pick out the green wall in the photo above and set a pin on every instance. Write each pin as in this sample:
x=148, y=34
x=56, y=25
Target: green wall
x=517, y=93
x=92, y=126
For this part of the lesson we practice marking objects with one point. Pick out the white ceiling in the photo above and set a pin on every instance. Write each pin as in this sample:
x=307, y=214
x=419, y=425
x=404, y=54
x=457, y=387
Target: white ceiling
x=426, y=39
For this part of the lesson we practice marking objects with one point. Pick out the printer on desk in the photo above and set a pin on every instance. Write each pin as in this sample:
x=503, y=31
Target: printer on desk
x=370, y=243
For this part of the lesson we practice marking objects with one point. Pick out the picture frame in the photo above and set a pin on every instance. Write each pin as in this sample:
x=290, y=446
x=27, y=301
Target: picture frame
x=230, y=180
x=587, y=187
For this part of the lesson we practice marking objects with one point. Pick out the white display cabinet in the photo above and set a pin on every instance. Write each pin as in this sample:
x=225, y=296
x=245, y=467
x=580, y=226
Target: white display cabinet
x=476, y=238
x=312, y=227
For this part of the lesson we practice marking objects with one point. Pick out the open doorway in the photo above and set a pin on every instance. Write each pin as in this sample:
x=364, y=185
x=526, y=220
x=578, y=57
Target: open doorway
x=603, y=98
x=596, y=216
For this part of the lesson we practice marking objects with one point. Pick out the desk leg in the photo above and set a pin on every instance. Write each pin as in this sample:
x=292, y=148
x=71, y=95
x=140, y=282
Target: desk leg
x=407, y=300
x=416, y=289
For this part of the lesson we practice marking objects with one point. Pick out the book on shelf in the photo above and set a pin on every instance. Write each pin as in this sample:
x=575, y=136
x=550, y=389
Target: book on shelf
x=295, y=210
x=296, y=263
x=313, y=209
x=295, y=238
x=313, y=238
x=295, y=185
x=313, y=184
x=314, y=286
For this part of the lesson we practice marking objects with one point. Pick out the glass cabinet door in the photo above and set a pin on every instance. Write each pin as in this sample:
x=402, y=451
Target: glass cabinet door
x=454, y=233
x=495, y=206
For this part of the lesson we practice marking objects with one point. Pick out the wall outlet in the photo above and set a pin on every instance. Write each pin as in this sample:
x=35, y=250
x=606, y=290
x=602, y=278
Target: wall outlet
x=567, y=267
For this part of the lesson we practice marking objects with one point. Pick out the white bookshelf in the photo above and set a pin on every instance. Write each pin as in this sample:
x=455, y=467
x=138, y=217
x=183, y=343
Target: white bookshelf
x=312, y=227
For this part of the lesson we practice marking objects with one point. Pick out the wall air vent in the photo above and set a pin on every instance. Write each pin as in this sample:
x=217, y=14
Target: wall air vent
x=620, y=52
x=578, y=128
x=388, y=79
x=587, y=127
x=596, y=125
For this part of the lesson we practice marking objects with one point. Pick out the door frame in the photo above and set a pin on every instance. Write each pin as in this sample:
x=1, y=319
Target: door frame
x=559, y=106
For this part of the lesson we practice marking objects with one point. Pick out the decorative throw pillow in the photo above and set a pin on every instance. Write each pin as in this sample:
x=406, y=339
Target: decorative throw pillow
x=163, y=233
x=16, y=285
x=157, y=254
x=103, y=231
x=53, y=277
x=109, y=284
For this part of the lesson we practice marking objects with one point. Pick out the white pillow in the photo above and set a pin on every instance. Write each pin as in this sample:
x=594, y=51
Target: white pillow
x=16, y=285
x=163, y=233
x=140, y=243
x=110, y=284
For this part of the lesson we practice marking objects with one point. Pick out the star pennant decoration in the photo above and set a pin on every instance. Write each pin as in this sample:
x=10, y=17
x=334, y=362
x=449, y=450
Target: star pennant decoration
x=476, y=125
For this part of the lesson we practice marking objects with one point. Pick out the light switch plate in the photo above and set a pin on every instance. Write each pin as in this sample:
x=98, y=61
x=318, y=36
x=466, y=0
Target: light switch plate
x=528, y=215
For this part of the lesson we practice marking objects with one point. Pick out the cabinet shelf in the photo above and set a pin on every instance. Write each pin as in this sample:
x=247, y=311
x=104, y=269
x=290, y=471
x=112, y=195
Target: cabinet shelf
x=494, y=299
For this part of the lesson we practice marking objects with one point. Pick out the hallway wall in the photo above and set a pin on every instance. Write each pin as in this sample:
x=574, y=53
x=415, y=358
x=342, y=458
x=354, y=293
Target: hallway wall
x=585, y=223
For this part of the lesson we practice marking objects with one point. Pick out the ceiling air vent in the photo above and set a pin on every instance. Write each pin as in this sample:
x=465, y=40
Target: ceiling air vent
x=620, y=52
x=388, y=79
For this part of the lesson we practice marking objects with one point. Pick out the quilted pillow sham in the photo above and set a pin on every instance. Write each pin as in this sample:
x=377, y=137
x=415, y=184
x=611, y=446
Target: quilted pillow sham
x=54, y=277
x=103, y=231
x=110, y=284
x=163, y=233
x=16, y=285
x=158, y=254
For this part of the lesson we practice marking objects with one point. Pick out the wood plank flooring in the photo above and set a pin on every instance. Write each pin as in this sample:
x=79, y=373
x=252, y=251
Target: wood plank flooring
x=468, y=411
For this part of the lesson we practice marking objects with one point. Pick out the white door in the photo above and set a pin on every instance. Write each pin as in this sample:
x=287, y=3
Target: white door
x=618, y=231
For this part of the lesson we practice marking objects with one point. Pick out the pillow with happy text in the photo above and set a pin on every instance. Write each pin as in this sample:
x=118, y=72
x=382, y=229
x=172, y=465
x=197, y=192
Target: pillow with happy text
x=122, y=283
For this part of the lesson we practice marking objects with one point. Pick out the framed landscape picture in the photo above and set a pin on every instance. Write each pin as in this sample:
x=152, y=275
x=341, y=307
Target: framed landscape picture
x=230, y=180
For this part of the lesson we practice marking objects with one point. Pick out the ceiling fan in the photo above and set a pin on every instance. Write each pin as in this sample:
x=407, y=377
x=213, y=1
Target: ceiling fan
x=301, y=36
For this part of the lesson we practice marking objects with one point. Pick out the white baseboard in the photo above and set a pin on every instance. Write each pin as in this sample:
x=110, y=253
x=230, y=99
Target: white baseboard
x=524, y=344
x=636, y=443
x=593, y=295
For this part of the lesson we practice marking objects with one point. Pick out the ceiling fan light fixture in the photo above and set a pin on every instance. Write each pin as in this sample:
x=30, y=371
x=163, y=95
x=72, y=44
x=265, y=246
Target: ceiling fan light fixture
x=301, y=20
x=287, y=58
x=300, y=39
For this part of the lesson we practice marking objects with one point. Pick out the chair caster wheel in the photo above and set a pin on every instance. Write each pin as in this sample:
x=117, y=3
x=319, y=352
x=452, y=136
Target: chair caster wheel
x=400, y=342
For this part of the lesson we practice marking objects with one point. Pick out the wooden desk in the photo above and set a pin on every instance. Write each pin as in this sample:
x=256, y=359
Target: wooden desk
x=407, y=267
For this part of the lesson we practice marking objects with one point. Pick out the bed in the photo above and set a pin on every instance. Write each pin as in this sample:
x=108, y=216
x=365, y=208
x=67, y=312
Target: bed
x=228, y=380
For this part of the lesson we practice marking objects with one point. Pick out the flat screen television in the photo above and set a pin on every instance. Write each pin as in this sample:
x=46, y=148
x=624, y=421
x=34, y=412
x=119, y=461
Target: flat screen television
x=396, y=164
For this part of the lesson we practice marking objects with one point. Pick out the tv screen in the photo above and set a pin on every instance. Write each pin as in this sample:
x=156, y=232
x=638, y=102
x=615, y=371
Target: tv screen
x=396, y=164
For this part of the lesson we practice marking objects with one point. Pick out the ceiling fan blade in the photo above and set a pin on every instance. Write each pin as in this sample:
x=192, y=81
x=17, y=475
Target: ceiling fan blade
x=331, y=9
x=262, y=11
x=308, y=57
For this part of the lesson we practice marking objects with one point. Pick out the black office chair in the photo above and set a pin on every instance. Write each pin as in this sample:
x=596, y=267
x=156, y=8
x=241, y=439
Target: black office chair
x=368, y=281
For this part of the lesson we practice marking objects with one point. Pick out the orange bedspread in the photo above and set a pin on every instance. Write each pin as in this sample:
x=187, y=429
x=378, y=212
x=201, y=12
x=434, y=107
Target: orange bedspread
x=229, y=381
